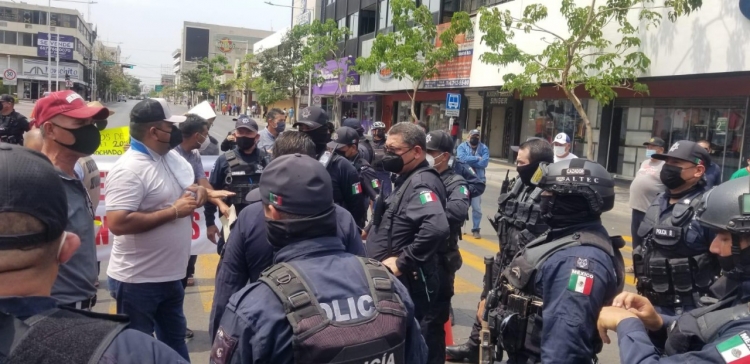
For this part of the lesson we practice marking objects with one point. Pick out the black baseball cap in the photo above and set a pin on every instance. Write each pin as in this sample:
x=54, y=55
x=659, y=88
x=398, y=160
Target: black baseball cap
x=354, y=124
x=7, y=98
x=687, y=151
x=243, y=121
x=313, y=116
x=439, y=140
x=153, y=110
x=29, y=184
x=656, y=142
x=516, y=148
x=295, y=184
x=343, y=136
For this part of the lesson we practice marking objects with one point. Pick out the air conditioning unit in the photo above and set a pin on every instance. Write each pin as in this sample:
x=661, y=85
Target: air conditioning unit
x=28, y=26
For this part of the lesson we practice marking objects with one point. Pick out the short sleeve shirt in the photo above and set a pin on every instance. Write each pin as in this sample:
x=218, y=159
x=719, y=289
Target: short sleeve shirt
x=646, y=185
x=194, y=158
x=569, y=156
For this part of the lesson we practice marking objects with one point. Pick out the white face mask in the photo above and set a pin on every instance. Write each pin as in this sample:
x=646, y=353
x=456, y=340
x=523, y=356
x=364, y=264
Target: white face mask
x=430, y=160
x=205, y=144
x=62, y=243
x=560, y=150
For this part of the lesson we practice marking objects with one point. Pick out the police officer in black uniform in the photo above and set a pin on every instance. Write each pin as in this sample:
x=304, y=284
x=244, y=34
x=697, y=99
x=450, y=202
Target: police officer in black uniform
x=12, y=124
x=518, y=222
x=410, y=227
x=378, y=152
x=347, y=190
x=238, y=171
x=673, y=266
x=718, y=331
x=318, y=303
x=544, y=306
x=33, y=243
x=346, y=143
x=365, y=147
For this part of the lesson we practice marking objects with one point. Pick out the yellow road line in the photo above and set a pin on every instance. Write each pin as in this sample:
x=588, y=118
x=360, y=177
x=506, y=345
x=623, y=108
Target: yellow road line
x=205, y=269
x=472, y=260
x=482, y=243
x=113, y=307
x=461, y=285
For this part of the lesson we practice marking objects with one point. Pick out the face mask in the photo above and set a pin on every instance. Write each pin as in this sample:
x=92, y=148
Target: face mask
x=671, y=176
x=430, y=160
x=526, y=172
x=560, y=151
x=204, y=145
x=87, y=139
x=319, y=135
x=393, y=163
x=280, y=126
x=474, y=141
x=175, y=137
x=245, y=143
x=650, y=152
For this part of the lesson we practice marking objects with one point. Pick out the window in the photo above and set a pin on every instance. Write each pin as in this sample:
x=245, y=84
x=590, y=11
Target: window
x=11, y=38
x=26, y=39
x=389, y=21
x=354, y=25
x=342, y=23
x=27, y=16
x=382, y=14
x=547, y=118
x=9, y=14
x=367, y=20
x=54, y=19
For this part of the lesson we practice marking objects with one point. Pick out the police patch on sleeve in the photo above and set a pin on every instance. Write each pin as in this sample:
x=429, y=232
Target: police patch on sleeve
x=580, y=281
x=582, y=263
x=356, y=188
x=223, y=347
x=736, y=349
x=427, y=197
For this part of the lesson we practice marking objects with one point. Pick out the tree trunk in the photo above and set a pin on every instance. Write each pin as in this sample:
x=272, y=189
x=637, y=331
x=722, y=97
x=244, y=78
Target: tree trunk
x=586, y=121
x=294, y=104
x=413, y=96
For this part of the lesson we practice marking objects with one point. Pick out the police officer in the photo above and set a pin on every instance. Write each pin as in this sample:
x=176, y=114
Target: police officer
x=33, y=244
x=247, y=252
x=318, y=303
x=347, y=190
x=378, y=152
x=346, y=143
x=238, y=171
x=518, y=222
x=410, y=226
x=544, y=307
x=365, y=147
x=719, y=331
x=12, y=124
x=673, y=266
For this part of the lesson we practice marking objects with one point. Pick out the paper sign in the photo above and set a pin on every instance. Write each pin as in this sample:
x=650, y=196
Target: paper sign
x=226, y=223
x=114, y=141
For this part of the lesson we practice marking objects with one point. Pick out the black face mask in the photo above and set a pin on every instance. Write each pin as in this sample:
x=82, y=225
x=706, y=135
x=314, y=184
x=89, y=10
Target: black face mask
x=526, y=172
x=284, y=232
x=245, y=143
x=393, y=162
x=671, y=176
x=728, y=265
x=563, y=211
x=320, y=137
x=87, y=139
x=474, y=141
x=175, y=137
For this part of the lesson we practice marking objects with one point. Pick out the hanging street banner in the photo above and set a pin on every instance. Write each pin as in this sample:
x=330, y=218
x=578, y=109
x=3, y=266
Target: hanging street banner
x=67, y=45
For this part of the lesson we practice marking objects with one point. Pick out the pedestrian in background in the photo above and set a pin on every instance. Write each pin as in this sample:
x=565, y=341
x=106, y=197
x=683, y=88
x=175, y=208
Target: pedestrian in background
x=275, y=125
x=645, y=187
x=562, y=146
x=455, y=129
x=477, y=156
x=742, y=172
x=12, y=123
x=713, y=172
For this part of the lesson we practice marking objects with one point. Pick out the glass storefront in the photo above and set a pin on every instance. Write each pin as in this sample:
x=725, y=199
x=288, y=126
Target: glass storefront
x=368, y=115
x=547, y=118
x=433, y=114
x=723, y=126
x=403, y=113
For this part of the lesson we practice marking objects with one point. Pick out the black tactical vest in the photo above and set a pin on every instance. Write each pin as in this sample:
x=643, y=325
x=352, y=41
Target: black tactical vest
x=449, y=252
x=519, y=220
x=668, y=273
x=60, y=335
x=517, y=318
x=378, y=339
x=243, y=177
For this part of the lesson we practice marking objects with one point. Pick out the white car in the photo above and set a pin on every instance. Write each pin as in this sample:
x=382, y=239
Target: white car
x=122, y=98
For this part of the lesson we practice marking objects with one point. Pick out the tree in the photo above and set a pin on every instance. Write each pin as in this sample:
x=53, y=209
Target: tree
x=189, y=82
x=209, y=69
x=244, y=78
x=267, y=92
x=410, y=52
x=581, y=55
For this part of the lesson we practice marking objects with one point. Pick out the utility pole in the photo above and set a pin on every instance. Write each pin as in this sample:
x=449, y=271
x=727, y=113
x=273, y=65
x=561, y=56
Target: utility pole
x=49, y=48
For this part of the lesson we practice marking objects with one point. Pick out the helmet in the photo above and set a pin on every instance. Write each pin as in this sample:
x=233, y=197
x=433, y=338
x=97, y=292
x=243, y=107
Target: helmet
x=727, y=207
x=578, y=177
x=378, y=125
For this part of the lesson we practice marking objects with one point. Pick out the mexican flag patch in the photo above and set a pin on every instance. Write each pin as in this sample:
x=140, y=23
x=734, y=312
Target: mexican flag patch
x=580, y=282
x=427, y=196
x=735, y=349
x=375, y=183
x=356, y=188
x=275, y=199
x=464, y=190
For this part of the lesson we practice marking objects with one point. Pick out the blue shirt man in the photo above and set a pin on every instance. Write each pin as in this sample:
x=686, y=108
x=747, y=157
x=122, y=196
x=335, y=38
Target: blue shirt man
x=477, y=156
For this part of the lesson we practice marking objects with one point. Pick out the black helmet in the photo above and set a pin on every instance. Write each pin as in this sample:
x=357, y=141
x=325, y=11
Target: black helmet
x=727, y=207
x=578, y=177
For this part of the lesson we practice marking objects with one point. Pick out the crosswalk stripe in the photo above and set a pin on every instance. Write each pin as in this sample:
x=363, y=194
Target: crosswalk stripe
x=205, y=269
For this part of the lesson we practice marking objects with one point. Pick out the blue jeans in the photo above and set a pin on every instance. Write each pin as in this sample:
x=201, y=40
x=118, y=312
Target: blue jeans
x=476, y=212
x=154, y=307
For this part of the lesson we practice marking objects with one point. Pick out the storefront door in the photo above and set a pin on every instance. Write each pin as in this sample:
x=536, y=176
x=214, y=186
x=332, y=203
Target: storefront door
x=496, y=141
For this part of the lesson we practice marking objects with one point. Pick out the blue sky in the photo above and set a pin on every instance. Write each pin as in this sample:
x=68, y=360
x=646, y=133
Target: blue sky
x=151, y=29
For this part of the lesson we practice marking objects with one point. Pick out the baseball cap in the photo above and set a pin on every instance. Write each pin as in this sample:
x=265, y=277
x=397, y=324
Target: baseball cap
x=295, y=184
x=687, y=151
x=562, y=138
x=516, y=148
x=153, y=110
x=100, y=124
x=313, y=116
x=343, y=136
x=354, y=124
x=29, y=184
x=439, y=140
x=67, y=103
x=7, y=98
x=474, y=132
x=243, y=121
x=656, y=142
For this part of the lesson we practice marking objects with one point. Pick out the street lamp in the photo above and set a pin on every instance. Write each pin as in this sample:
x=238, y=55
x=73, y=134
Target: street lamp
x=288, y=6
x=88, y=16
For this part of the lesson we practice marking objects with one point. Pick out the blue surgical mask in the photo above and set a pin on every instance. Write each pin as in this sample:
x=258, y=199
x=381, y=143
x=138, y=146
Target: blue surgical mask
x=650, y=152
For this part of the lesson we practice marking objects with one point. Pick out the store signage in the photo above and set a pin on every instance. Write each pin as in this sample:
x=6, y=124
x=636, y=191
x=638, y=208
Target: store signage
x=499, y=97
x=38, y=70
x=225, y=45
x=456, y=72
x=66, y=45
x=385, y=74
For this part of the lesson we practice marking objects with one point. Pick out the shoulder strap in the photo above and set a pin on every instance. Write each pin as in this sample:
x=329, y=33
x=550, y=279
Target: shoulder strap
x=232, y=159
x=538, y=251
x=710, y=323
x=381, y=286
x=295, y=294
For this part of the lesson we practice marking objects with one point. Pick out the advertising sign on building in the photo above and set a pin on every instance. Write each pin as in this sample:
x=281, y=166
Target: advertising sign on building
x=66, y=44
x=332, y=84
x=37, y=70
x=456, y=72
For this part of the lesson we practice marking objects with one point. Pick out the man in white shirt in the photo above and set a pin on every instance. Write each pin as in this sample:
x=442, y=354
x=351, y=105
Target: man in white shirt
x=150, y=197
x=562, y=148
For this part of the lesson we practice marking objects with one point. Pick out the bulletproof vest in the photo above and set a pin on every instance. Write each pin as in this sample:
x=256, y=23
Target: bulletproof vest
x=243, y=177
x=668, y=273
x=10, y=129
x=518, y=220
x=449, y=252
x=378, y=153
x=60, y=335
x=517, y=320
x=378, y=338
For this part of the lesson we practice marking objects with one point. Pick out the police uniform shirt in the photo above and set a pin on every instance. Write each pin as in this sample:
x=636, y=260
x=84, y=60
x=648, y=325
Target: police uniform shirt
x=218, y=176
x=698, y=237
x=347, y=189
x=457, y=205
x=420, y=223
x=248, y=253
x=255, y=329
x=14, y=124
x=368, y=178
x=473, y=182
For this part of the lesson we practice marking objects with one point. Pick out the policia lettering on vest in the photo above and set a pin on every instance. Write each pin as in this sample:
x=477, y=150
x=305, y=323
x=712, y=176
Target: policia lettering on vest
x=718, y=331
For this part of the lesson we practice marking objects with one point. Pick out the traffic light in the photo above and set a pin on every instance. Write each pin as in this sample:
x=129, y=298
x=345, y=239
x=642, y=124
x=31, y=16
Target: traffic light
x=127, y=66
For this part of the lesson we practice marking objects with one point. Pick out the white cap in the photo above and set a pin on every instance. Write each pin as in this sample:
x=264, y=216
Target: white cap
x=562, y=138
x=203, y=110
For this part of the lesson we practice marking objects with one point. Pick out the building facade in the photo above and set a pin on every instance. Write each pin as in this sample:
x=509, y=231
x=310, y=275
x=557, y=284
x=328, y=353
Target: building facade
x=25, y=43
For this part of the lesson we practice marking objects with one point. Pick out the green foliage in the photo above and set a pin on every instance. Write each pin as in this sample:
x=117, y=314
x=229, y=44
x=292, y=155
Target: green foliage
x=267, y=92
x=410, y=51
x=208, y=71
x=580, y=55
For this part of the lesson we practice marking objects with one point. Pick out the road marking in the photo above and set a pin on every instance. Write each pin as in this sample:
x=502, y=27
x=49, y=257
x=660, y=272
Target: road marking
x=461, y=285
x=484, y=243
x=205, y=270
x=472, y=260
x=113, y=307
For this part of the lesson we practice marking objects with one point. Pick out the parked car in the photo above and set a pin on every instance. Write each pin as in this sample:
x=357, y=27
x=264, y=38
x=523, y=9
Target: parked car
x=122, y=98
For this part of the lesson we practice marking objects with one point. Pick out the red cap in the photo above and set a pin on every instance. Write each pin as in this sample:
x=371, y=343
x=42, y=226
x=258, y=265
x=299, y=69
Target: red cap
x=67, y=103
